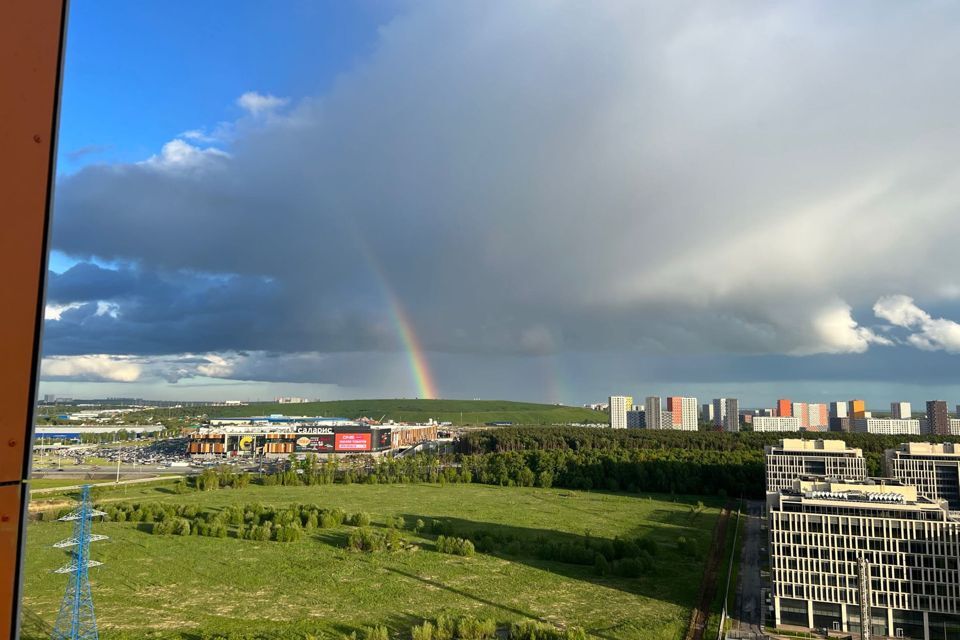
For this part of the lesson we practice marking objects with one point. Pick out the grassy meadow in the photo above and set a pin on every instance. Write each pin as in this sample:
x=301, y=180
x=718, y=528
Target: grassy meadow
x=154, y=586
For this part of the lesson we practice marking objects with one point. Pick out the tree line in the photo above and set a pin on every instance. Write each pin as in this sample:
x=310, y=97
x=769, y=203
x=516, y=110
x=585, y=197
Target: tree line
x=700, y=463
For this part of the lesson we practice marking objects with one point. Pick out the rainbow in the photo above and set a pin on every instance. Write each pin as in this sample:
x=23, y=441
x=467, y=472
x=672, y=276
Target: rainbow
x=416, y=355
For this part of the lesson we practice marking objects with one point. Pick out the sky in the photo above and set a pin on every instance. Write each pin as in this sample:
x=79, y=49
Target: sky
x=545, y=201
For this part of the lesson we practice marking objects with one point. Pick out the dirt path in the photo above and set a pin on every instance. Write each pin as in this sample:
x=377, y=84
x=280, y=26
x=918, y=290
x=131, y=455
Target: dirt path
x=708, y=588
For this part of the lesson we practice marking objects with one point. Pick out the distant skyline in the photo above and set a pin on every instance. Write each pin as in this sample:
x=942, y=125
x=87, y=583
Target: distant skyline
x=541, y=201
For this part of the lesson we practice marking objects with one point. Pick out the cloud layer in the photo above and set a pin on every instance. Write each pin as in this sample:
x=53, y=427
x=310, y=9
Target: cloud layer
x=703, y=179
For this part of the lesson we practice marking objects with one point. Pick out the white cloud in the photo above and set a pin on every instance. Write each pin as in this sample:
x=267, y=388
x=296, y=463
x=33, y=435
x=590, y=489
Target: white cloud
x=837, y=332
x=197, y=135
x=105, y=308
x=55, y=311
x=92, y=367
x=179, y=154
x=929, y=333
x=258, y=103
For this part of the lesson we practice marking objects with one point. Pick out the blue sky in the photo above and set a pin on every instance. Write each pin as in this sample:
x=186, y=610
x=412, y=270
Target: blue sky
x=558, y=201
x=139, y=73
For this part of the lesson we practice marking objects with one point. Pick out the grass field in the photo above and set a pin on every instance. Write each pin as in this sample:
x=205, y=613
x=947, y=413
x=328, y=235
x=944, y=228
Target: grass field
x=470, y=412
x=178, y=587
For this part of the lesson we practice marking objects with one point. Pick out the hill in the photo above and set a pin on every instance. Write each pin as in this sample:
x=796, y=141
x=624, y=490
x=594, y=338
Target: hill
x=468, y=412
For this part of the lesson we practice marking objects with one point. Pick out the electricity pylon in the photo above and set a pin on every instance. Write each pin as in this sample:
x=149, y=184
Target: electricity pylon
x=76, y=620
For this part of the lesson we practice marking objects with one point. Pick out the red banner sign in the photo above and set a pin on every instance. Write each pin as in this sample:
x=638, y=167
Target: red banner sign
x=353, y=441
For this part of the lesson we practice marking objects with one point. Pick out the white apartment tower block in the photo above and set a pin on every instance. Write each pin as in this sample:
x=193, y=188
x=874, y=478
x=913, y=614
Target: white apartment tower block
x=900, y=410
x=619, y=405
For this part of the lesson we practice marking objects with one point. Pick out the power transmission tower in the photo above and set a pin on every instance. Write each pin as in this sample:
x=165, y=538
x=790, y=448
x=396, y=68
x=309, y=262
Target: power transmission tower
x=76, y=620
x=863, y=578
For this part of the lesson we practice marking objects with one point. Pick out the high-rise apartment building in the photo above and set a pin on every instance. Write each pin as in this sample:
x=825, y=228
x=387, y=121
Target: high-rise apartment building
x=784, y=408
x=934, y=469
x=937, y=418
x=654, y=412
x=775, y=423
x=840, y=424
x=857, y=408
x=817, y=416
x=794, y=459
x=900, y=410
x=619, y=405
x=887, y=426
x=684, y=413
x=839, y=409
x=731, y=418
x=719, y=412
x=909, y=544
x=706, y=413
x=800, y=411
x=636, y=419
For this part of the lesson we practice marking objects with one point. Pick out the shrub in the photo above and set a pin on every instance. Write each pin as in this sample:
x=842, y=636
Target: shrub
x=473, y=629
x=535, y=631
x=439, y=527
x=363, y=539
x=375, y=633
x=360, y=519
x=600, y=565
x=444, y=628
x=422, y=632
x=327, y=521
x=455, y=546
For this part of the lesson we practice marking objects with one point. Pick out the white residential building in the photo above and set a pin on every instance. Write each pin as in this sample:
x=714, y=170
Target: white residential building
x=794, y=459
x=909, y=545
x=900, y=410
x=888, y=426
x=933, y=468
x=839, y=409
x=776, y=423
x=619, y=405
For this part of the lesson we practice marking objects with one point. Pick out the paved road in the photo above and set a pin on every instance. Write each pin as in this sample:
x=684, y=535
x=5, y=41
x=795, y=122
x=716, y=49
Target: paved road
x=746, y=616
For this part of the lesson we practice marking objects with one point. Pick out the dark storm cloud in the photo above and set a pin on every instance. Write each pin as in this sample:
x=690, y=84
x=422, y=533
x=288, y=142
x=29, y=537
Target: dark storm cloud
x=537, y=178
x=127, y=311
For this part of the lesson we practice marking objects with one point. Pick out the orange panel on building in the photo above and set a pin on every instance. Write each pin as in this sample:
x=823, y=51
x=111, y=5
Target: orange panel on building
x=858, y=408
x=784, y=408
x=675, y=407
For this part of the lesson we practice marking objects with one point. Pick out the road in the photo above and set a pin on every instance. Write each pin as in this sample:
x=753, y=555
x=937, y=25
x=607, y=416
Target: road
x=746, y=615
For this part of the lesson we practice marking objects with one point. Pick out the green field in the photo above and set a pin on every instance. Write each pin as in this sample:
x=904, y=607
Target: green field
x=470, y=412
x=181, y=587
